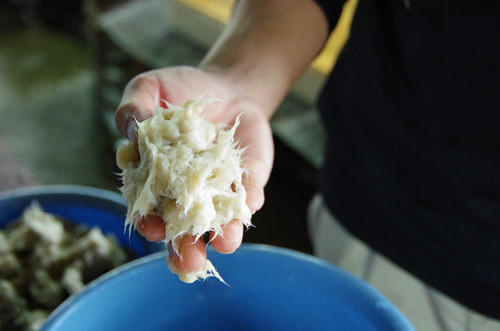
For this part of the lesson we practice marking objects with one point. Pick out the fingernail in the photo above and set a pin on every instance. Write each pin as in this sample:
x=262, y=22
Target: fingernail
x=132, y=130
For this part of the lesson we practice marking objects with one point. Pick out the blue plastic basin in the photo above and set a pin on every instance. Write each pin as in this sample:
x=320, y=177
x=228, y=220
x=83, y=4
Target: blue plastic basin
x=270, y=289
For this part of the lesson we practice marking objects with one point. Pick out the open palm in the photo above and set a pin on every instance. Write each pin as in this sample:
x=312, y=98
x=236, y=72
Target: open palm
x=176, y=85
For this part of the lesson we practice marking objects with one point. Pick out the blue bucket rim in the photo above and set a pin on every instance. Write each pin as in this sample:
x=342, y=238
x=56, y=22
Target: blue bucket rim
x=63, y=189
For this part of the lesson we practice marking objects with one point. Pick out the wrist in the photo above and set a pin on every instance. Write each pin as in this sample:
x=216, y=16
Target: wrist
x=247, y=84
x=257, y=55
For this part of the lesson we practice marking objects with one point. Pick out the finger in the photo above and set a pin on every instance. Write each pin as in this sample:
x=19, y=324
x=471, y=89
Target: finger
x=255, y=195
x=230, y=239
x=192, y=254
x=152, y=228
x=255, y=134
x=138, y=103
x=254, y=182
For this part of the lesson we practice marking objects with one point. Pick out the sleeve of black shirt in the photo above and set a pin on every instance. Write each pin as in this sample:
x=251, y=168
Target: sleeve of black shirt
x=332, y=10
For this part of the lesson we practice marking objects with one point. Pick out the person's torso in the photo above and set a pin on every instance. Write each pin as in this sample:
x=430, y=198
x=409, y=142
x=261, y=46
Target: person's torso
x=413, y=115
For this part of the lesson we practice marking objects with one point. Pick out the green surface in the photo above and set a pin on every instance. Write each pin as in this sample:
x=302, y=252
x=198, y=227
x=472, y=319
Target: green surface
x=47, y=119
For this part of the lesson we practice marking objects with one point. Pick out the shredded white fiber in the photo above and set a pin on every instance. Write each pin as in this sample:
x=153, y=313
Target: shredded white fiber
x=188, y=172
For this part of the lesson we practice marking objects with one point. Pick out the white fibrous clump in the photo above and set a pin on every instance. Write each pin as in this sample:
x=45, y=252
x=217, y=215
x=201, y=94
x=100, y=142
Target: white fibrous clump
x=208, y=270
x=40, y=225
x=188, y=172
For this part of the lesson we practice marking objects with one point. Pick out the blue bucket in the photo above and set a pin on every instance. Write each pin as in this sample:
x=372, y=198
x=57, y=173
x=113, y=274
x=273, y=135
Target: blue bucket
x=269, y=289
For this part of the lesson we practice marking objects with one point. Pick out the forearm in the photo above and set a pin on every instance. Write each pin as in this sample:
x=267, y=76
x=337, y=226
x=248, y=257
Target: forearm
x=266, y=47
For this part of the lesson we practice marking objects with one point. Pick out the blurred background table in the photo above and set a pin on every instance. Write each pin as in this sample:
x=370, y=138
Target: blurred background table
x=12, y=173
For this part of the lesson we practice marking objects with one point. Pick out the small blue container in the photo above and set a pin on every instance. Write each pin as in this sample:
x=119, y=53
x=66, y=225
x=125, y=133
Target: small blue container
x=83, y=205
x=269, y=289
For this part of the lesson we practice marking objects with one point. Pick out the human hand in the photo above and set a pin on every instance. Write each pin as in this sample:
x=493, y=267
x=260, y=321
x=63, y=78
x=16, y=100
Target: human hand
x=176, y=85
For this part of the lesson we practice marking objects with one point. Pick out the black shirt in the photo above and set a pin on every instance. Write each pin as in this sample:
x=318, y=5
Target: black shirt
x=412, y=111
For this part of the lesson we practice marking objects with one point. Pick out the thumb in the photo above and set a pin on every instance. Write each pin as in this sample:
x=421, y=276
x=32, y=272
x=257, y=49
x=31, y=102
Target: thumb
x=139, y=99
x=254, y=182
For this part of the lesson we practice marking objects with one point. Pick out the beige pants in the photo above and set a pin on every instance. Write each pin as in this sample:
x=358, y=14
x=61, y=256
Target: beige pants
x=426, y=308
